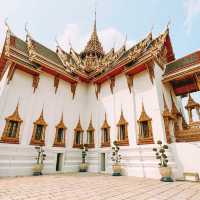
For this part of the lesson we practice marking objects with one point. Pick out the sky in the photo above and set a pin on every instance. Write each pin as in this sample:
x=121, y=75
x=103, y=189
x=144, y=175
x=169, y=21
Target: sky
x=71, y=21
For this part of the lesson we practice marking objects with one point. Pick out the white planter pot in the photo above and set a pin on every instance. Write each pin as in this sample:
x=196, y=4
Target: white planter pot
x=166, y=174
x=37, y=169
x=83, y=167
x=117, y=169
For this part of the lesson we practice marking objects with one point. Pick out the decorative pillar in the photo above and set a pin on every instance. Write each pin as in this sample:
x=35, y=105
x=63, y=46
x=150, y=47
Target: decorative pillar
x=11, y=73
x=112, y=83
x=129, y=79
x=150, y=69
x=35, y=82
x=97, y=90
x=73, y=89
x=56, y=83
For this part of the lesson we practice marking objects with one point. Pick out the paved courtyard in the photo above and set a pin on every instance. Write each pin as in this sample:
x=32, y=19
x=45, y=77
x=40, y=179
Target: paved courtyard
x=94, y=187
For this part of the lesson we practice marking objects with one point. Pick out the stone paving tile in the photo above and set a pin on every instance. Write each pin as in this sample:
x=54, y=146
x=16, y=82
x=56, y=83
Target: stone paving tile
x=76, y=186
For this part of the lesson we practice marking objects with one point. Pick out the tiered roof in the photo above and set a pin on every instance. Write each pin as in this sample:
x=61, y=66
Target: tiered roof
x=90, y=65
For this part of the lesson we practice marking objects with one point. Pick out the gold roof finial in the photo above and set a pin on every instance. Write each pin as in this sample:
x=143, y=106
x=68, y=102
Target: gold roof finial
x=94, y=46
x=28, y=35
x=7, y=25
x=191, y=103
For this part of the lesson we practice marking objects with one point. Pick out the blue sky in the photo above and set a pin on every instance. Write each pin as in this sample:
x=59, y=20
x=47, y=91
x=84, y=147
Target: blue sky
x=72, y=20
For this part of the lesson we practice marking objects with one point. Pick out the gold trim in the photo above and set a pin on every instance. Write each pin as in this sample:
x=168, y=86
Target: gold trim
x=11, y=73
x=39, y=121
x=76, y=130
x=145, y=118
x=73, y=89
x=150, y=70
x=90, y=130
x=16, y=118
x=97, y=90
x=56, y=83
x=129, y=79
x=60, y=125
x=112, y=84
x=36, y=79
x=107, y=127
x=122, y=122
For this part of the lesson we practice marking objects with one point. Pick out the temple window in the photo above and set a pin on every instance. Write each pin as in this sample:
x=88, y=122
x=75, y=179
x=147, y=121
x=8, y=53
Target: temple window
x=122, y=132
x=39, y=131
x=90, y=135
x=105, y=131
x=78, y=135
x=60, y=134
x=12, y=128
x=38, y=136
x=145, y=128
x=60, y=137
x=122, y=138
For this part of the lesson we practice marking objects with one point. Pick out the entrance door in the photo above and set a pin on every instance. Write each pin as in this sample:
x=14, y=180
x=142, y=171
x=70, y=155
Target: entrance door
x=103, y=162
x=59, y=161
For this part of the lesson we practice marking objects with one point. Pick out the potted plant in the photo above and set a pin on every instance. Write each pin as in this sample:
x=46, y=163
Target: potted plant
x=38, y=167
x=165, y=170
x=83, y=165
x=116, y=158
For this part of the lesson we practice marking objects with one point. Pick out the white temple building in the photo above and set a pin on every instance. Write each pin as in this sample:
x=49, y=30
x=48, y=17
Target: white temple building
x=60, y=100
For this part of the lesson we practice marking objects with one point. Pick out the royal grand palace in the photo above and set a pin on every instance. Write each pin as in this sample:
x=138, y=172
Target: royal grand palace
x=62, y=99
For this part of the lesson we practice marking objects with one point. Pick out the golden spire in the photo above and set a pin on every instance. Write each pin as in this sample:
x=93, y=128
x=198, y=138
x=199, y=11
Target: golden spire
x=105, y=123
x=122, y=120
x=41, y=120
x=78, y=126
x=15, y=116
x=90, y=127
x=94, y=46
x=191, y=103
x=61, y=123
x=143, y=115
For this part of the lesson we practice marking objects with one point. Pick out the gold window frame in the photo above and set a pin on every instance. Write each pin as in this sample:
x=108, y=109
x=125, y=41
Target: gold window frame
x=76, y=130
x=60, y=125
x=15, y=117
x=103, y=127
x=122, y=122
x=39, y=121
x=145, y=118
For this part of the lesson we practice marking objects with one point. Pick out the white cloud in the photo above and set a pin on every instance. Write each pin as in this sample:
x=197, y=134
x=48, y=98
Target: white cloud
x=192, y=9
x=110, y=37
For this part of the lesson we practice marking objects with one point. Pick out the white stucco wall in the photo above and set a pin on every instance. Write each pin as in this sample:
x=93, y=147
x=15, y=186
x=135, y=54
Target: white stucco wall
x=136, y=160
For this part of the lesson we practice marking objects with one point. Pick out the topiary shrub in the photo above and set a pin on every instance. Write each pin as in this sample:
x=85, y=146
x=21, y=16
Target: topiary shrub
x=160, y=153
